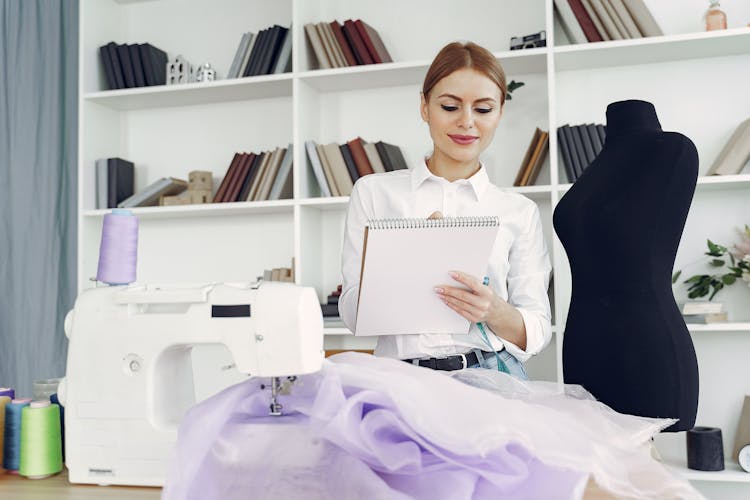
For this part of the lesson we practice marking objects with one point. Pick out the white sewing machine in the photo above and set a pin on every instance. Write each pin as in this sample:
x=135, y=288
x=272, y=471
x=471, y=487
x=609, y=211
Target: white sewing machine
x=129, y=376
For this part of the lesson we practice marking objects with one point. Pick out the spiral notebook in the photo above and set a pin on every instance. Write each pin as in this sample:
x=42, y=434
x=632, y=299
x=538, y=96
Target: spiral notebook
x=403, y=260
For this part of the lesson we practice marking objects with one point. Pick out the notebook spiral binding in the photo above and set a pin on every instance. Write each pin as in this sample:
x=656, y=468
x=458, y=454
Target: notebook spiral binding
x=418, y=223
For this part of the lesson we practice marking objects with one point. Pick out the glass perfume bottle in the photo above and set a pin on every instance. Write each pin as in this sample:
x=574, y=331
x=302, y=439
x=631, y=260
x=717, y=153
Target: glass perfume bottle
x=716, y=19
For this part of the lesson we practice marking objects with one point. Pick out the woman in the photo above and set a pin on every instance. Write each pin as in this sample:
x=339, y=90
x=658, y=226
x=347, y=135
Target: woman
x=462, y=101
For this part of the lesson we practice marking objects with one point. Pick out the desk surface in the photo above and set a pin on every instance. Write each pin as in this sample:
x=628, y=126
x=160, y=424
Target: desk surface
x=56, y=487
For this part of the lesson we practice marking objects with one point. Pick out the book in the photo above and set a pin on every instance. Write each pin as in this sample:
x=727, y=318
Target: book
x=356, y=43
x=537, y=160
x=569, y=22
x=606, y=19
x=120, y=180
x=244, y=40
x=735, y=153
x=219, y=196
x=392, y=157
x=338, y=168
x=336, y=53
x=127, y=65
x=285, y=171
x=109, y=72
x=626, y=18
x=338, y=33
x=577, y=143
x=373, y=42
x=575, y=162
x=705, y=319
x=283, y=63
x=701, y=307
x=116, y=66
x=585, y=21
x=527, y=157
x=330, y=179
x=566, y=155
x=615, y=18
x=642, y=17
x=588, y=145
x=149, y=196
x=317, y=167
x=401, y=268
x=349, y=160
x=135, y=59
x=374, y=157
x=154, y=64
x=595, y=19
x=250, y=177
x=360, y=157
x=317, y=45
x=246, y=56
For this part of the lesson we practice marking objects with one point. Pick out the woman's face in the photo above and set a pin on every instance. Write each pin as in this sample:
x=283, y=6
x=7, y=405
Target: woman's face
x=463, y=112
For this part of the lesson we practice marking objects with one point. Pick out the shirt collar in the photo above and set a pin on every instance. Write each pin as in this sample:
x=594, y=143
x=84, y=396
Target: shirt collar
x=478, y=182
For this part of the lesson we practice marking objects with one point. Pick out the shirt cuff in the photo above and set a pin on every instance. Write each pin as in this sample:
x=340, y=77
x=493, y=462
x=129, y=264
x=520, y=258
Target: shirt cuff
x=538, y=334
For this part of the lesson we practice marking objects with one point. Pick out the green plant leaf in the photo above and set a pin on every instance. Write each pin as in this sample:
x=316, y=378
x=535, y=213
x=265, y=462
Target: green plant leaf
x=717, y=262
x=715, y=250
x=676, y=276
x=728, y=279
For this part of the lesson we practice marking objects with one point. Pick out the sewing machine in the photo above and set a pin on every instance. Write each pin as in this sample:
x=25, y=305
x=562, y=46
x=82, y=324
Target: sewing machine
x=129, y=375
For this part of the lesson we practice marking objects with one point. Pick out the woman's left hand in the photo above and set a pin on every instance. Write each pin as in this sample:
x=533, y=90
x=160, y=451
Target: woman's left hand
x=478, y=304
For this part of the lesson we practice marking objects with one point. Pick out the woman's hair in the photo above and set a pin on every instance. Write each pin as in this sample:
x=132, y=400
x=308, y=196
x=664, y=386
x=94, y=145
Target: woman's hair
x=457, y=55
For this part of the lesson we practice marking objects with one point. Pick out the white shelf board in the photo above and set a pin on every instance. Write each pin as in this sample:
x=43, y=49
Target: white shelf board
x=517, y=62
x=720, y=327
x=326, y=203
x=652, y=49
x=205, y=210
x=190, y=94
x=732, y=472
x=534, y=192
x=706, y=183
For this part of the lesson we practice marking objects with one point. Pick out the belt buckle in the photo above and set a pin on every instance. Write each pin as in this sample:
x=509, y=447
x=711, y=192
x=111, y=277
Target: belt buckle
x=464, y=363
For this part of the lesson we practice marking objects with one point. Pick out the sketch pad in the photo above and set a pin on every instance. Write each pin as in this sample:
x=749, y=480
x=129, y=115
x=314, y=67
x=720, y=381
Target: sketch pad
x=403, y=260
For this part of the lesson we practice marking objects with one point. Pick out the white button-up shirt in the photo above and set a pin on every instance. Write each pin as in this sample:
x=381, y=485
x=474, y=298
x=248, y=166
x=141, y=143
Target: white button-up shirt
x=519, y=267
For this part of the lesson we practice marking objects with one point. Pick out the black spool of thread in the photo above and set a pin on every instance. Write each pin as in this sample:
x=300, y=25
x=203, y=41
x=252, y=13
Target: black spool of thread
x=705, y=450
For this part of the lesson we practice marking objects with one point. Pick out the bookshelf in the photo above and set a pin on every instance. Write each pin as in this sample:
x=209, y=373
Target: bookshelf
x=696, y=80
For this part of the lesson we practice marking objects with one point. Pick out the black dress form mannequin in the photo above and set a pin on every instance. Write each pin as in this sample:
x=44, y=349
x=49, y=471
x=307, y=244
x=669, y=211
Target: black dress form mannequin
x=625, y=340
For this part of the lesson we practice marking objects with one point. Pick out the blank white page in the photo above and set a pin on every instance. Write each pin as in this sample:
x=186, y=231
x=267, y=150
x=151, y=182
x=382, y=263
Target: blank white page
x=404, y=260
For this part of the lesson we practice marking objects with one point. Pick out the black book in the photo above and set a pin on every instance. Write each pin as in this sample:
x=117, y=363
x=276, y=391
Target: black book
x=578, y=146
x=114, y=56
x=349, y=160
x=588, y=147
x=127, y=66
x=602, y=130
x=329, y=310
x=576, y=162
x=391, y=156
x=257, y=54
x=251, y=173
x=268, y=53
x=120, y=177
x=107, y=64
x=154, y=62
x=351, y=43
x=567, y=160
x=135, y=58
x=333, y=299
x=277, y=49
x=595, y=140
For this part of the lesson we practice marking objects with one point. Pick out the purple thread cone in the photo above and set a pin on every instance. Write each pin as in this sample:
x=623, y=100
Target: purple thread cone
x=5, y=391
x=118, y=251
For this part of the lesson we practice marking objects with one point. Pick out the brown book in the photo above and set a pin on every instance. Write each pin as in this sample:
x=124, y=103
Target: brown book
x=527, y=157
x=587, y=24
x=338, y=168
x=338, y=33
x=327, y=171
x=251, y=173
x=227, y=177
x=338, y=54
x=356, y=43
x=372, y=41
x=238, y=180
x=360, y=157
x=536, y=166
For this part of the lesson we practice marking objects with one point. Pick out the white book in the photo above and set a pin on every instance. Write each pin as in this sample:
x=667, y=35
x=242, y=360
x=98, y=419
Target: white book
x=569, y=22
x=102, y=186
x=643, y=18
x=735, y=153
x=232, y=73
x=312, y=154
x=701, y=307
x=285, y=170
x=626, y=18
x=403, y=260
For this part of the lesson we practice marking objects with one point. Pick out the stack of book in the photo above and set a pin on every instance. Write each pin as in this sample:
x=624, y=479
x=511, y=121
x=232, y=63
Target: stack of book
x=257, y=177
x=114, y=181
x=533, y=159
x=704, y=312
x=337, y=167
x=134, y=65
x=266, y=53
x=735, y=154
x=599, y=20
x=331, y=308
x=579, y=145
x=351, y=44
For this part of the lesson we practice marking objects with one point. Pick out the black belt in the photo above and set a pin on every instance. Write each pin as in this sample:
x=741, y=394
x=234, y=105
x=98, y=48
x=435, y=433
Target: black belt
x=450, y=363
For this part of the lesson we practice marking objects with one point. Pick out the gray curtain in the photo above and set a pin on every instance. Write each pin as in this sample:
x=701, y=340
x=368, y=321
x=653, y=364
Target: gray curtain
x=38, y=185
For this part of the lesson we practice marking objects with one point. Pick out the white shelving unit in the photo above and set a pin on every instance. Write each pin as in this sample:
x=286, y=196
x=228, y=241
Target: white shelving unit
x=696, y=80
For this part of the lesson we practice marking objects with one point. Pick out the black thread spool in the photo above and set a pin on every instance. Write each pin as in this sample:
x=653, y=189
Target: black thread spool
x=705, y=450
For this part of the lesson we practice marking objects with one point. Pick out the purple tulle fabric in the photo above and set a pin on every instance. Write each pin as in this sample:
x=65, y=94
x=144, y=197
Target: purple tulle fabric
x=371, y=428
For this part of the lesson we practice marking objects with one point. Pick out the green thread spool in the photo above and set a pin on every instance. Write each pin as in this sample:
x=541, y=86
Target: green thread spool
x=41, y=446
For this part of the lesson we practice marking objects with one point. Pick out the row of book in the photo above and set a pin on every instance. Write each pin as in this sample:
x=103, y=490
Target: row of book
x=284, y=274
x=331, y=308
x=268, y=52
x=601, y=20
x=351, y=44
x=338, y=166
x=704, y=312
x=134, y=65
x=533, y=159
x=579, y=145
x=115, y=181
x=257, y=177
